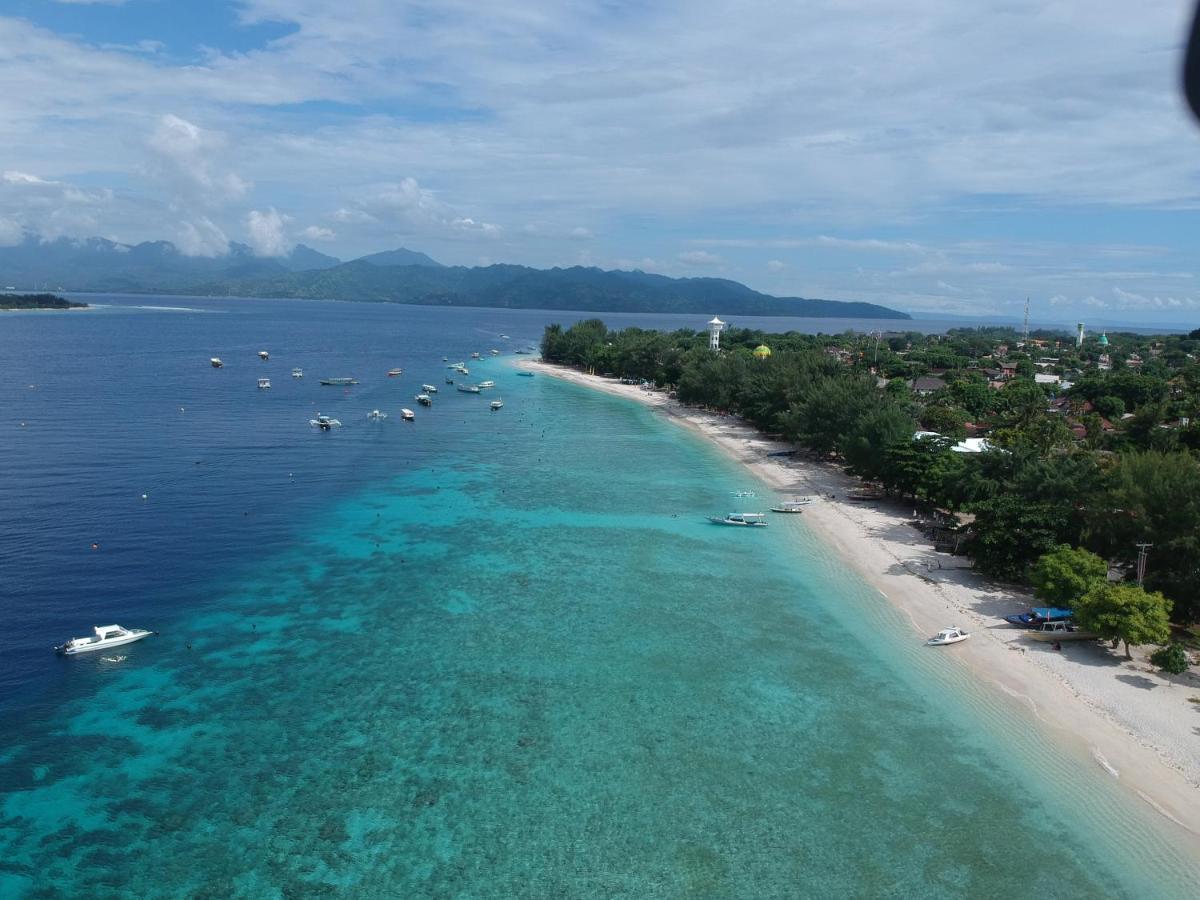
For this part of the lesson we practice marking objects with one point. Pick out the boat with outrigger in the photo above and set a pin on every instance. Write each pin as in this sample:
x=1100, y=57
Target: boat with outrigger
x=496, y=404
x=1060, y=631
x=792, y=506
x=297, y=373
x=1040, y=615
x=325, y=423
x=424, y=399
x=103, y=637
x=392, y=373
x=264, y=384
x=741, y=520
x=469, y=388
x=429, y=388
x=407, y=414
x=487, y=384
x=339, y=382
x=376, y=415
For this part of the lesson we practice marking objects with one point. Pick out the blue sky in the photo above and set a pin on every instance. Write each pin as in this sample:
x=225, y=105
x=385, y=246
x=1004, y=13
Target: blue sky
x=934, y=156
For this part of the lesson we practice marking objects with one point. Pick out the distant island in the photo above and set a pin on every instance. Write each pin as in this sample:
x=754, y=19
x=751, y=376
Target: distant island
x=37, y=301
x=394, y=276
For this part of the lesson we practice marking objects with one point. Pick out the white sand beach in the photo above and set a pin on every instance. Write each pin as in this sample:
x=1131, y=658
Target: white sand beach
x=1136, y=723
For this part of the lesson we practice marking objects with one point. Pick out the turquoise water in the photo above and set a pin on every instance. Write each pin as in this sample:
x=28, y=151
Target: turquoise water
x=526, y=667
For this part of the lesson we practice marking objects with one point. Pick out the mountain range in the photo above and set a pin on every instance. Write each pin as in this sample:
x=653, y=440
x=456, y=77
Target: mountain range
x=393, y=276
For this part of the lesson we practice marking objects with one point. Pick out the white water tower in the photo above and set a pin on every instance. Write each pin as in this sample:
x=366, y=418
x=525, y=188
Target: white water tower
x=715, y=327
x=1079, y=337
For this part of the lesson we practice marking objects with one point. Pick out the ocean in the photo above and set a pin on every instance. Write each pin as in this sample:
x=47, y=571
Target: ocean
x=483, y=654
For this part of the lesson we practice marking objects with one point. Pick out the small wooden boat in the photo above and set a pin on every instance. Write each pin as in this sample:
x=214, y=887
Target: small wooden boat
x=496, y=404
x=392, y=373
x=215, y=362
x=339, y=382
x=264, y=355
x=424, y=399
x=1060, y=631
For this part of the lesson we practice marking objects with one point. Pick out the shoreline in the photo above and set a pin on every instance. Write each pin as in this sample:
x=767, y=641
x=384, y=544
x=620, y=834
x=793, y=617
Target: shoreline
x=1134, y=723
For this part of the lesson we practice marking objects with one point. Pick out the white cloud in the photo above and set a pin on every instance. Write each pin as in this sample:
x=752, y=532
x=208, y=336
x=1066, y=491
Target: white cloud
x=776, y=265
x=200, y=237
x=50, y=208
x=318, y=233
x=186, y=158
x=699, y=258
x=11, y=232
x=266, y=231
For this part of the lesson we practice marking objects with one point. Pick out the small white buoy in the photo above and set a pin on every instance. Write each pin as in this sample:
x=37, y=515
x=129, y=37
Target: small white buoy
x=145, y=496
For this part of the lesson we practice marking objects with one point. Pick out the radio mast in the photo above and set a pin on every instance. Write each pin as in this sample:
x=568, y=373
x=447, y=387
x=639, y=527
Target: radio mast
x=1025, y=330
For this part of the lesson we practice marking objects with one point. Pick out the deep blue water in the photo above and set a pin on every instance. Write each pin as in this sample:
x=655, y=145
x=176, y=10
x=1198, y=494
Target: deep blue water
x=481, y=655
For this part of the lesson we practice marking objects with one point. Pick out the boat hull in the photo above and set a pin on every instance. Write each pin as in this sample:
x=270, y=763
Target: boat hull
x=1050, y=637
x=64, y=650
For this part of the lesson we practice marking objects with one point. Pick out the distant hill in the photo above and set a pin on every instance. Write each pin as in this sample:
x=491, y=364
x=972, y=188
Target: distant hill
x=394, y=276
x=303, y=257
x=399, y=257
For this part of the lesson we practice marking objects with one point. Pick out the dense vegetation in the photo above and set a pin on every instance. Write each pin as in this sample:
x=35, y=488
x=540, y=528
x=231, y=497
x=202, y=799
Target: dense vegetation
x=37, y=301
x=1111, y=461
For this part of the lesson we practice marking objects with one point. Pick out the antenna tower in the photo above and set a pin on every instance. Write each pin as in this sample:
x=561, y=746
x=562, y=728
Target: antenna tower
x=1025, y=329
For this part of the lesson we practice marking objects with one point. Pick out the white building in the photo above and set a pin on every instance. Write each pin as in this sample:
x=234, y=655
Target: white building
x=715, y=327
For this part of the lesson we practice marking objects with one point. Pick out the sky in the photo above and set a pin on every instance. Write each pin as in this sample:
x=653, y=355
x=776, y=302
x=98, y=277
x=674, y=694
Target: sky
x=935, y=156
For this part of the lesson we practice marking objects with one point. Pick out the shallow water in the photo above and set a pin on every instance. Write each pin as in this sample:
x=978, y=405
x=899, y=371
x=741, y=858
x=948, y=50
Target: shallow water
x=484, y=655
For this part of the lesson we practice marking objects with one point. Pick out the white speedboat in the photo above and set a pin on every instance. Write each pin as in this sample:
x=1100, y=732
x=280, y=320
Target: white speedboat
x=487, y=384
x=496, y=404
x=429, y=388
x=407, y=414
x=744, y=520
x=264, y=383
x=105, y=636
x=475, y=356
x=215, y=362
x=947, y=636
x=376, y=415
x=297, y=373
x=324, y=422
x=424, y=399
x=504, y=337
x=494, y=352
x=264, y=355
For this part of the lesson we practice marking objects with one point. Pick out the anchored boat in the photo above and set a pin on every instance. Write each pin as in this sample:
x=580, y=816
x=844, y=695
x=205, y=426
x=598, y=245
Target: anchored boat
x=324, y=422
x=407, y=414
x=743, y=520
x=105, y=636
x=339, y=381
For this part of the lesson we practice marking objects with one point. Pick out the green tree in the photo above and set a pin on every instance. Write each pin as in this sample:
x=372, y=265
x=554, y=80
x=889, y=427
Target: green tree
x=1125, y=612
x=1066, y=573
x=1109, y=406
x=1171, y=658
x=1011, y=532
x=945, y=420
